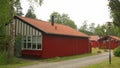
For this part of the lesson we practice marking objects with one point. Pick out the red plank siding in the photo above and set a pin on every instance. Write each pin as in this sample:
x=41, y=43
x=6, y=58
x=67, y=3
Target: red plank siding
x=63, y=46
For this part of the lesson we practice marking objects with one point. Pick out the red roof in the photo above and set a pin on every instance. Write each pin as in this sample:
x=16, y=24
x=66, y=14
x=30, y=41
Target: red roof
x=113, y=37
x=58, y=29
x=94, y=38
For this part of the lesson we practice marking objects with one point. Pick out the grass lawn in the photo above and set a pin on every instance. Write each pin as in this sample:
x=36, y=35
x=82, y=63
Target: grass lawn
x=18, y=64
x=25, y=63
x=105, y=64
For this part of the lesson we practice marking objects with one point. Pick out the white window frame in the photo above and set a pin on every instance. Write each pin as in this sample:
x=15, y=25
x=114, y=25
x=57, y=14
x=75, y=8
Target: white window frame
x=36, y=43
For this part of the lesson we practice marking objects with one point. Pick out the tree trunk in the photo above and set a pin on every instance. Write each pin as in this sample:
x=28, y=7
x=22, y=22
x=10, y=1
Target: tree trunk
x=10, y=53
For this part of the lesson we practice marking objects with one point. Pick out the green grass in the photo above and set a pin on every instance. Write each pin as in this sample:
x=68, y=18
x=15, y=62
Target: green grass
x=56, y=59
x=19, y=63
x=105, y=64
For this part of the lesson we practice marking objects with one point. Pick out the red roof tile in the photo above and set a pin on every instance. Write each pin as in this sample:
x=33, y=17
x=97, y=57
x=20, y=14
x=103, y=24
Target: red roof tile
x=94, y=38
x=56, y=29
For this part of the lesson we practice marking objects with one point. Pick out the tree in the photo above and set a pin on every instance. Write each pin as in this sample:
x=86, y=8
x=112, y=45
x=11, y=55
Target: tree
x=63, y=19
x=92, y=28
x=84, y=28
x=30, y=13
x=57, y=18
x=4, y=19
x=114, y=6
x=104, y=30
x=7, y=16
x=71, y=24
x=100, y=30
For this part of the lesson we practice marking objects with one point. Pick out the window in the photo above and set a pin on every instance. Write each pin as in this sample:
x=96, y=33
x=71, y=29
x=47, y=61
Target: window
x=32, y=42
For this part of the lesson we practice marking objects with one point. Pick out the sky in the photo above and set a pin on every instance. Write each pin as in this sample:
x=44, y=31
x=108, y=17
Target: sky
x=92, y=11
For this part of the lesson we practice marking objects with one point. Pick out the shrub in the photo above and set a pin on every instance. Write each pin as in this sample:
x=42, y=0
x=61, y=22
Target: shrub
x=117, y=51
x=3, y=58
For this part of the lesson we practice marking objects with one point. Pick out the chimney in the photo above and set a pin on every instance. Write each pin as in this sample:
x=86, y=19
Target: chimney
x=52, y=21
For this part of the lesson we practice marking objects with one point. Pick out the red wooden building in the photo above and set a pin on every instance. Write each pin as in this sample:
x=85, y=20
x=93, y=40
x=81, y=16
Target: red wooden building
x=94, y=41
x=104, y=42
x=45, y=40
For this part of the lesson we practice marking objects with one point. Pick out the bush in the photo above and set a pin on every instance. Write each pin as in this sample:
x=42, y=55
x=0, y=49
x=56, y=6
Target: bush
x=3, y=58
x=117, y=51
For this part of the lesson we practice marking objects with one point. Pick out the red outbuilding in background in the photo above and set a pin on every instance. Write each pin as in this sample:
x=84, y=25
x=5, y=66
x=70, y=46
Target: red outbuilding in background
x=106, y=40
x=94, y=41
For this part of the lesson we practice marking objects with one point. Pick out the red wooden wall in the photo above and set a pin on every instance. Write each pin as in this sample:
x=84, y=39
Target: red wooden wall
x=113, y=44
x=32, y=53
x=54, y=46
x=94, y=44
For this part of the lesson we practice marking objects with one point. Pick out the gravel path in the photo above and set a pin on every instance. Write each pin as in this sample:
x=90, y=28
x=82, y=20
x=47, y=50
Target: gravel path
x=73, y=63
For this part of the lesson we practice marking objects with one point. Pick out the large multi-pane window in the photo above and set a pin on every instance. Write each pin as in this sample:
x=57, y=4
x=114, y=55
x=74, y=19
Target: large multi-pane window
x=32, y=42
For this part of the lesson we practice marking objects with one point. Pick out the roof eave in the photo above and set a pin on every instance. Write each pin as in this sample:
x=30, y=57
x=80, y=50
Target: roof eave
x=66, y=35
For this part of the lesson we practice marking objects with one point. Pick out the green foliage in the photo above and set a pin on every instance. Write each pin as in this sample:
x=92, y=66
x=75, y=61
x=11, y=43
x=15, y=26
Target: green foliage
x=4, y=19
x=3, y=57
x=63, y=19
x=117, y=51
x=84, y=28
x=17, y=45
x=114, y=6
x=4, y=43
x=100, y=30
x=32, y=3
x=71, y=24
x=30, y=14
x=4, y=12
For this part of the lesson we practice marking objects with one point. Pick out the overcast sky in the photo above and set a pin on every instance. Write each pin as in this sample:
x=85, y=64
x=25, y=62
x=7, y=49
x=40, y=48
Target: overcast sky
x=93, y=11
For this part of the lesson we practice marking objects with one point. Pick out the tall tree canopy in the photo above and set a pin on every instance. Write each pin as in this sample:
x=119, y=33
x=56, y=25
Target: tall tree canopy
x=87, y=29
x=63, y=19
x=100, y=30
x=114, y=6
x=4, y=12
x=30, y=13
